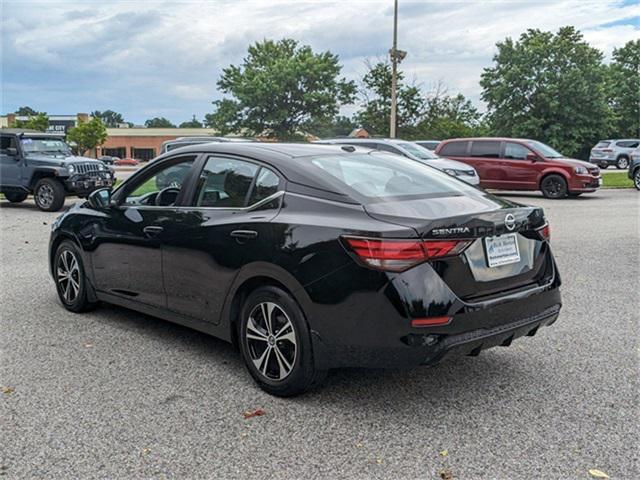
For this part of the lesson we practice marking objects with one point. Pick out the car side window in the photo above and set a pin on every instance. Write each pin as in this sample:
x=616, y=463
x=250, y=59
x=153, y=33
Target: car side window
x=485, y=149
x=7, y=142
x=454, y=149
x=515, y=151
x=225, y=183
x=168, y=180
x=266, y=185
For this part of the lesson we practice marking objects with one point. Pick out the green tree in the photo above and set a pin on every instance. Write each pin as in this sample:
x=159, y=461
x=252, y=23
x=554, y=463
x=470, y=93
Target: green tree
x=110, y=118
x=88, y=135
x=623, y=90
x=450, y=117
x=158, y=122
x=375, y=112
x=280, y=87
x=193, y=123
x=548, y=87
x=39, y=121
x=26, y=111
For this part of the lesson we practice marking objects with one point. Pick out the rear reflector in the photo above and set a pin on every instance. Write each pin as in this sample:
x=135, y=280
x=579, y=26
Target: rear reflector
x=430, y=321
x=544, y=232
x=398, y=255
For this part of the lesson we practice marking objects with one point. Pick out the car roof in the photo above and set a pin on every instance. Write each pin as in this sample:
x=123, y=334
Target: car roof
x=30, y=132
x=361, y=140
x=290, y=159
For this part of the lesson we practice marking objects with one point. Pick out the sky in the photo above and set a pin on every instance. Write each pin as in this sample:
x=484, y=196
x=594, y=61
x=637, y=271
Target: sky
x=150, y=58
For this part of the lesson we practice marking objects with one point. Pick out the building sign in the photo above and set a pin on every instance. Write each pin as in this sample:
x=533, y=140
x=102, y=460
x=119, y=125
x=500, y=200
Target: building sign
x=60, y=126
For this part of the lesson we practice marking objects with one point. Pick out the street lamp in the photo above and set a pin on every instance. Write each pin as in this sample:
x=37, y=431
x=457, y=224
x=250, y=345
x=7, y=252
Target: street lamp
x=396, y=57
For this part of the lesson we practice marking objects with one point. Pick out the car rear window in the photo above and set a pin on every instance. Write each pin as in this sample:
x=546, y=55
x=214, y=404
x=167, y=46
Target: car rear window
x=380, y=176
x=485, y=149
x=454, y=149
x=602, y=144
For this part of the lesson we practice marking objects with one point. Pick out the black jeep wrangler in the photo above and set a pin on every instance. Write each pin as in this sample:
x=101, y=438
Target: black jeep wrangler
x=42, y=164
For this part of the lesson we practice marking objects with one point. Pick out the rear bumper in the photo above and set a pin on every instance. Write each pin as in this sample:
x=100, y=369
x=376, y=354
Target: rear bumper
x=602, y=160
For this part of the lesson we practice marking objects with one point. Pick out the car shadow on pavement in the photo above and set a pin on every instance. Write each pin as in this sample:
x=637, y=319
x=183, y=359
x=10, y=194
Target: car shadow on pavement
x=474, y=380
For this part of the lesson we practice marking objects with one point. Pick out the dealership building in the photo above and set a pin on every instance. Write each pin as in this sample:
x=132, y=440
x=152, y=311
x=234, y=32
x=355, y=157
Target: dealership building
x=144, y=143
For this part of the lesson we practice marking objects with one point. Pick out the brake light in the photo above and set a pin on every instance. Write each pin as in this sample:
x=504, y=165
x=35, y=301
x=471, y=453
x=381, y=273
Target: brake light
x=398, y=255
x=544, y=232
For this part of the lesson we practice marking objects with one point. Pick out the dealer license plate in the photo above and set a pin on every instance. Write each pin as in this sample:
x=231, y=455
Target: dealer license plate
x=502, y=250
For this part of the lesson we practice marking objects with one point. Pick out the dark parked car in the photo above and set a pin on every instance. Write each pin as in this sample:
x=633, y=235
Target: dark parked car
x=310, y=257
x=42, y=164
x=108, y=159
x=634, y=167
x=521, y=164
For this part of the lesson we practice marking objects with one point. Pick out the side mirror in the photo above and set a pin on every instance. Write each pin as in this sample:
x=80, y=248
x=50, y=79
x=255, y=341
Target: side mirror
x=12, y=151
x=100, y=198
x=532, y=157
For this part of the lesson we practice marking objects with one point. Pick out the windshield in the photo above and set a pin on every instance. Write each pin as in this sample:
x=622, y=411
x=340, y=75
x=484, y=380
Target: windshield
x=381, y=176
x=417, y=151
x=44, y=145
x=545, y=150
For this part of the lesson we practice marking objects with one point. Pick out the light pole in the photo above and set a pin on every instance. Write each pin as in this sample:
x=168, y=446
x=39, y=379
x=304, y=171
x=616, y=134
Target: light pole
x=396, y=57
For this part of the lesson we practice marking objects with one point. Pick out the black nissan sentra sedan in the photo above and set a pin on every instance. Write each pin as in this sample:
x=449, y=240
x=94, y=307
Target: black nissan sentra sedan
x=310, y=257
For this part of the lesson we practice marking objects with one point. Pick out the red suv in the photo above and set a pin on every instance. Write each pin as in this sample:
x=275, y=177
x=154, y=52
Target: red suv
x=520, y=164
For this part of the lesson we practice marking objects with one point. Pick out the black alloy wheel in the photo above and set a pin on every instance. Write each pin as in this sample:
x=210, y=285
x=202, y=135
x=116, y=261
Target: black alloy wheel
x=554, y=186
x=69, y=275
x=276, y=344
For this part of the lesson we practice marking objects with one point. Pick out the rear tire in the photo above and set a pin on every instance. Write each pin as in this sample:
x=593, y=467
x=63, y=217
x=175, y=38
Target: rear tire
x=49, y=195
x=622, y=162
x=604, y=166
x=636, y=178
x=70, y=278
x=16, y=197
x=275, y=343
x=554, y=186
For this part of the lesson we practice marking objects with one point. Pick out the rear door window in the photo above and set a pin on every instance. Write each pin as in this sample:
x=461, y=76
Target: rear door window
x=266, y=185
x=485, y=149
x=225, y=183
x=454, y=149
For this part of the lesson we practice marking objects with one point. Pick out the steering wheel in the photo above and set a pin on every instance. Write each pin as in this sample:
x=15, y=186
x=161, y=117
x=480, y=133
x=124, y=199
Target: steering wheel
x=167, y=196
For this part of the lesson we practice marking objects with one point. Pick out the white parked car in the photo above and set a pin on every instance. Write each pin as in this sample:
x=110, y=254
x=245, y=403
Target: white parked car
x=613, y=152
x=414, y=151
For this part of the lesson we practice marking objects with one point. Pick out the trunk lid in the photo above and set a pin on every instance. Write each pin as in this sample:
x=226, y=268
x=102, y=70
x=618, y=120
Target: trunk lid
x=476, y=217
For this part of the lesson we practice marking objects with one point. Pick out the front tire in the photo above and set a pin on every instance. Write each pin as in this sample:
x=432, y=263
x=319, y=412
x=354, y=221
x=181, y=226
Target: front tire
x=49, y=195
x=554, y=186
x=636, y=178
x=70, y=278
x=275, y=343
x=622, y=163
x=16, y=197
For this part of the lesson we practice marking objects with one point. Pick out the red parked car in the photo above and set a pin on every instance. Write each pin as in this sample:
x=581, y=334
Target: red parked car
x=126, y=162
x=520, y=164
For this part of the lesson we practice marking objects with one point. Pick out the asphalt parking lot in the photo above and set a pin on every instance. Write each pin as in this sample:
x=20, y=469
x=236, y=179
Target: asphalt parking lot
x=117, y=394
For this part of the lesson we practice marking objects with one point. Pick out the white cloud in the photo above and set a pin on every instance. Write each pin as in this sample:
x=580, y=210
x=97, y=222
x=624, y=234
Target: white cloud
x=161, y=56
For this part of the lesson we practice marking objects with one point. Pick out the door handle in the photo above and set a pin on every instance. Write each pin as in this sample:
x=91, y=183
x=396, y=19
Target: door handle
x=241, y=235
x=152, y=230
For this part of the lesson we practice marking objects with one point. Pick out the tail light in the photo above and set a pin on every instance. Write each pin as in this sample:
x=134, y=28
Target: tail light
x=544, y=232
x=398, y=255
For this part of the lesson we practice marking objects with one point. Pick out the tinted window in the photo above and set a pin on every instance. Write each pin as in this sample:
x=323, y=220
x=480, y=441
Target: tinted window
x=266, y=185
x=378, y=176
x=7, y=142
x=454, y=149
x=602, y=144
x=145, y=190
x=225, y=183
x=485, y=149
x=515, y=151
x=627, y=144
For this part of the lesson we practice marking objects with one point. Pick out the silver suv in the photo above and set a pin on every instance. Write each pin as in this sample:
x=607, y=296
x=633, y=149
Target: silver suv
x=613, y=152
